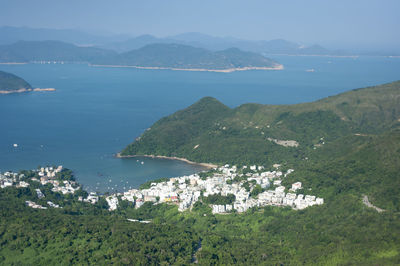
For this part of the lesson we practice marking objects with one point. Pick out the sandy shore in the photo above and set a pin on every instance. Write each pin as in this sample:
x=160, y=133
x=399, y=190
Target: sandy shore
x=27, y=90
x=207, y=165
x=228, y=70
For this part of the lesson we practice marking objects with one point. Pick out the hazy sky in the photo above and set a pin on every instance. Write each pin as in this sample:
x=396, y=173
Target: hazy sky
x=334, y=22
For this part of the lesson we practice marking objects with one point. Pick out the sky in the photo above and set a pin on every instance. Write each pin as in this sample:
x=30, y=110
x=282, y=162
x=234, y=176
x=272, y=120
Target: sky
x=333, y=23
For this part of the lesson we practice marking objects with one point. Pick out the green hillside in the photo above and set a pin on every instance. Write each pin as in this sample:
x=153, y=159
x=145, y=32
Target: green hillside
x=349, y=147
x=248, y=133
x=358, y=155
x=351, y=138
x=10, y=82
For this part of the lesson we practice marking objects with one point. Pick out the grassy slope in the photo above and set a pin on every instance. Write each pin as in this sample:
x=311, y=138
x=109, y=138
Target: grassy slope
x=240, y=135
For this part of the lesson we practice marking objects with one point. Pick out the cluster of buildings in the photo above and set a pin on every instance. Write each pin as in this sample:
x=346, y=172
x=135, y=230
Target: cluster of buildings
x=112, y=202
x=185, y=191
x=9, y=179
x=92, y=198
x=48, y=175
x=44, y=175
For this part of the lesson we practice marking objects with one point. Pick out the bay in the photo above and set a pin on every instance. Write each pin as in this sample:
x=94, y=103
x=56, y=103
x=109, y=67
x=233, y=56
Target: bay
x=95, y=112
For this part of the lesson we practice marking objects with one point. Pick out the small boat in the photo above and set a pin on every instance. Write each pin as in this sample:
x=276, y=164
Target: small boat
x=310, y=70
x=15, y=145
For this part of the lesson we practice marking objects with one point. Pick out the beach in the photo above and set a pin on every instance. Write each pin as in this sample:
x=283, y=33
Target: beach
x=207, y=165
x=26, y=90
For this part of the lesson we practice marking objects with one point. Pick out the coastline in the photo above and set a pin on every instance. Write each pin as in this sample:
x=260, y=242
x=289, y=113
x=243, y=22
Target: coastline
x=13, y=63
x=228, y=70
x=207, y=165
x=44, y=89
x=27, y=90
x=323, y=55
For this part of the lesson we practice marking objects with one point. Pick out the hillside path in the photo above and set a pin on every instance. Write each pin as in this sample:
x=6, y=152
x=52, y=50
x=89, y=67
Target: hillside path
x=369, y=204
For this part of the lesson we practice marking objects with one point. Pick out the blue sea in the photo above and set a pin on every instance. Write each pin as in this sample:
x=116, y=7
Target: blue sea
x=95, y=112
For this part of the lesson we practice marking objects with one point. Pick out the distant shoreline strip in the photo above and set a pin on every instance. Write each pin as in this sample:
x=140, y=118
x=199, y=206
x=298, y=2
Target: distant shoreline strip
x=14, y=63
x=207, y=165
x=228, y=70
x=26, y=90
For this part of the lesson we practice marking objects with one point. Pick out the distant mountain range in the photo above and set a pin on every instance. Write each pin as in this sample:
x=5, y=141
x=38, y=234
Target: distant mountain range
x=221, y=43
x=124, y=43
x=9, y=35
x=28, y=51
x=109, y=45
x=164, y=55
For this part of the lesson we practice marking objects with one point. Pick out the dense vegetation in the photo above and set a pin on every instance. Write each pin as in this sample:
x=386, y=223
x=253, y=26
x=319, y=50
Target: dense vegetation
x=356, y=137
x=209, y=131
x=10, y=82
x=64, y=236
x=342, y=231
x=218, y=199
x=153, y=55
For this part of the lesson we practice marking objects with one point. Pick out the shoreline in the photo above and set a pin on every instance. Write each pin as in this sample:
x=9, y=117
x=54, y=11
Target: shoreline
x=14, y=63
x=27, y=90
x=228, y=70
x=207, y=165
x=324, y=55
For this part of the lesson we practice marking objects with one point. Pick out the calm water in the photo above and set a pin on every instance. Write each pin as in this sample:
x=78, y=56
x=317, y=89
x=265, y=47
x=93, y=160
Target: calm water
x=96, y=112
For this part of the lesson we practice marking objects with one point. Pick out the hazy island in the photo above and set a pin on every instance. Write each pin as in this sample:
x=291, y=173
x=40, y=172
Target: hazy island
x=152, y=56
x=185, y=57
x=10, y=83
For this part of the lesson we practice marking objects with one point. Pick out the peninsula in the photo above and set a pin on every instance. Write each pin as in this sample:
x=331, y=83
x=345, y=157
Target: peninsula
x=10, y=83
x=209, y=131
